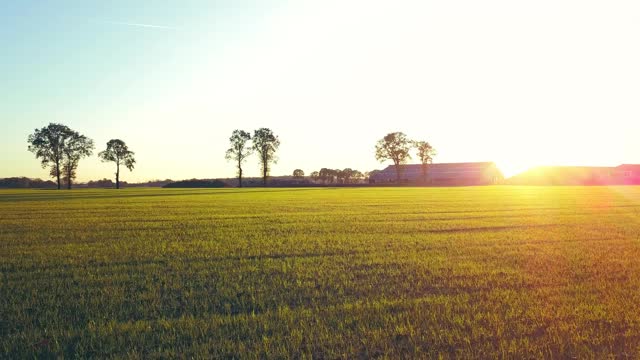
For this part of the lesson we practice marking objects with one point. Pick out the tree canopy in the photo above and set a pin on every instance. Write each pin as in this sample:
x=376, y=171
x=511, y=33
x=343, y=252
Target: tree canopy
x=118, y=152
x=77, y=147
x=265, y=143
x=298, y=173
x=426, y=152
x=60, y=148
x=395, y=147
x=239, y=150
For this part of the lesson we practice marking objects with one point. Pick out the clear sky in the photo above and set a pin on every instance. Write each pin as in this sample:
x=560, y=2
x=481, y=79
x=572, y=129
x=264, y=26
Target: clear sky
x=521, y=83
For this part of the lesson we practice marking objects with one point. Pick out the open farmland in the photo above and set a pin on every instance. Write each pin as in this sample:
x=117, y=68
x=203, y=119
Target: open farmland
x=321, y=273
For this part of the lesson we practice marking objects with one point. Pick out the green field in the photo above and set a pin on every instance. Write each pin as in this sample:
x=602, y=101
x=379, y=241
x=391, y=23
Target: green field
x=507, y=272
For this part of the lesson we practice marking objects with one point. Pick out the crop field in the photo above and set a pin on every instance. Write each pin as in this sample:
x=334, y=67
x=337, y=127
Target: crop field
x=485, y=272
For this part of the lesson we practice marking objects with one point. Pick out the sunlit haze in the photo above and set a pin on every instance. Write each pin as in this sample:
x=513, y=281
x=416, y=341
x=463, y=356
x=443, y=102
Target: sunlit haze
x=518, y=83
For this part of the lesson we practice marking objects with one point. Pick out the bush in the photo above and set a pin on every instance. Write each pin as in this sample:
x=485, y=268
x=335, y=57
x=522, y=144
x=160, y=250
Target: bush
x=26, y=183
x=195, y=183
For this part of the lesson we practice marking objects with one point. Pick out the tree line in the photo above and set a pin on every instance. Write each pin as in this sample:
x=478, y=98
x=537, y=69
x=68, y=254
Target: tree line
x=60, y=149
x=337, y=176
x=26, y=183
x=265, y=143
x=395, y=146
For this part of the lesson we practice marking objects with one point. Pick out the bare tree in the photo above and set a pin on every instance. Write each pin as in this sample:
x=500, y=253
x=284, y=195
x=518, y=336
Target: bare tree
x=239, y=150
x=265, y=143
x=118, y=152
x=426, y=152
x=395, y=147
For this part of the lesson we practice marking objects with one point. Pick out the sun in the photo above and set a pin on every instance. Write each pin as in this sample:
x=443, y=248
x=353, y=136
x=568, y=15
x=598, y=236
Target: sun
x=514, y=167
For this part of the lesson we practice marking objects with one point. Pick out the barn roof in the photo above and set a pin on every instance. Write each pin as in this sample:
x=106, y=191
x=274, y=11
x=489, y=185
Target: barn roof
x=438, y=170
x=629, y=167
x=468, y=166
x=572, y=168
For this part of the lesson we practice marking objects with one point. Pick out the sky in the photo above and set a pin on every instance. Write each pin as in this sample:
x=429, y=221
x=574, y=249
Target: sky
x=521, y=83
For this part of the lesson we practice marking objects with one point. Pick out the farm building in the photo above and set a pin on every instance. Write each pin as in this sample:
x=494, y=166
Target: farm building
x=579, y=175
x=460, y=174
x=630, y=174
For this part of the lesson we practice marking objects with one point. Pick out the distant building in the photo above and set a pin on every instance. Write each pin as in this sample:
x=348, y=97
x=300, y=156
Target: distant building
x=579, y=175
x=629, y=173
x=448, y=174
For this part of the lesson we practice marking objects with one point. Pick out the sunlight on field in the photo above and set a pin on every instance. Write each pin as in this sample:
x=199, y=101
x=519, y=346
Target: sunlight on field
x=521, y=272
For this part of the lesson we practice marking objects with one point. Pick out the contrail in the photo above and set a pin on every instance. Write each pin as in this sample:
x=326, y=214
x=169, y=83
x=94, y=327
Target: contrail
x=139, y=25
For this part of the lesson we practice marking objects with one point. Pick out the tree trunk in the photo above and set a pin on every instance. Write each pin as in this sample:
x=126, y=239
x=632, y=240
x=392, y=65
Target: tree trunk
x=239, y=174
x=264, y=177
x=117, y=175
x=58, y=174
x=265, y=171
x=69, y=179
x=398, y=173
x=424, y=173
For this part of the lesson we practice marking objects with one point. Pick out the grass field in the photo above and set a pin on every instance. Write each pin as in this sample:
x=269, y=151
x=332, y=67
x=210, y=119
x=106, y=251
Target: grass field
x=507, y=272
